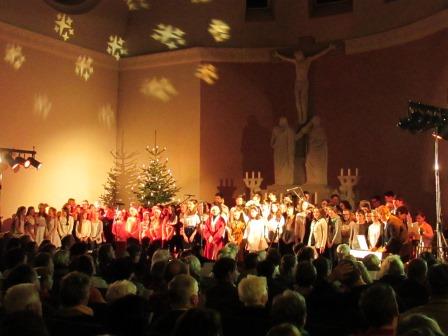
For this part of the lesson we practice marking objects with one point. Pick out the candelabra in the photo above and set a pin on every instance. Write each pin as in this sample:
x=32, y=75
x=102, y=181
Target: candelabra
x=348, y=183
x=253, y=182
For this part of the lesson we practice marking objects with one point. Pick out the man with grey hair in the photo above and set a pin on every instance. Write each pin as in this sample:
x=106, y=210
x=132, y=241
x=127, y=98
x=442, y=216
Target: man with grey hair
x=183, y=291
x=289, y=307
x=22, y=297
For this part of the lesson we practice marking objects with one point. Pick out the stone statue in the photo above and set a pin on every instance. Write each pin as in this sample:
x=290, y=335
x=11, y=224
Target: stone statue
x=302, y=65
x=282, y=141
x=316, y=152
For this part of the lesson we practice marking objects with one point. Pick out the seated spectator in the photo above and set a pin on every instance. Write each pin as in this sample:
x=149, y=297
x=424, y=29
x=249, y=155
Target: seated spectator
x=286, y=271
x=266, y=268
x=373, y=265
x=418, y=324
x=183, y=293
x=173, y=268
x=380, y=309
x=413, y=292
x=250, y=266
x=74, y=317
x=160, y=255
x=194, y=266
x=306, y=276
x=198, y=322
x=253, y=317
x=437, y=307
x=20, y=274
x=306, y=254
x=223, y=295
x=84, y=264
x=285, y=329
x=342, y=251
x=23, y=323
x=12, y=258
x=22, y=297
x=392, y=271
x=128, y=316
x=44, y=259
x=120, y=289
x=290, y=308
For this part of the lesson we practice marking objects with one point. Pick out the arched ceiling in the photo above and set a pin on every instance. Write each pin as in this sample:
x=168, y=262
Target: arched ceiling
x=283, y=26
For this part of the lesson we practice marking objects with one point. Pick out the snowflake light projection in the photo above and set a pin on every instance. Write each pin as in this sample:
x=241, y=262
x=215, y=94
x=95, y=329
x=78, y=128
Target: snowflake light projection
x=219, y=30
x=63, y=26
x=161, y=89
x=83, y=67
x=137, y=4
x=208, y=73
x=14, y=56
x=106, y=116
x=42, y=106
x=115, y=47
x=168, y=35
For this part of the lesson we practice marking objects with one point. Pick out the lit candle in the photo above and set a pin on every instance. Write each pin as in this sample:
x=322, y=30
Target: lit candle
x=315, y=197
x=253, y=174
x=349, y=173
x=259, y=174
x=281, y=197
x=247, y=174
x=356, y=172
x=342, y=172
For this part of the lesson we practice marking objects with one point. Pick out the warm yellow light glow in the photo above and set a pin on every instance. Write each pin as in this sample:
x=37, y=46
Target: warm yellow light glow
x=42, y=106
x=83, y=67
x=219, y=30
x=137, y=4
x=14, y=56
x=208, y=73
x=106, y=116
x=63, y=26
x=161, y=89
x=170, y=36
x=115, y=47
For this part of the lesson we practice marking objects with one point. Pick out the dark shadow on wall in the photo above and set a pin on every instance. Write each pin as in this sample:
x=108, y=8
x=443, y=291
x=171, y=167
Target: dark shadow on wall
x=227, y=188
x=256, y=150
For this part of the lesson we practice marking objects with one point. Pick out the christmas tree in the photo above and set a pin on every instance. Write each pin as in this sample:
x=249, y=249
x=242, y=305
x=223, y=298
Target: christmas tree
x=110, y=188
x=156, y=182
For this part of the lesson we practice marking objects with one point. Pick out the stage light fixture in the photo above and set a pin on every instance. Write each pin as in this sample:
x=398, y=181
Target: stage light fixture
x=21, y=161
x=36, y=164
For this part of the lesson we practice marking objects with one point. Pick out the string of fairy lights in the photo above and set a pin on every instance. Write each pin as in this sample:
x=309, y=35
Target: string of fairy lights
x=170, y=36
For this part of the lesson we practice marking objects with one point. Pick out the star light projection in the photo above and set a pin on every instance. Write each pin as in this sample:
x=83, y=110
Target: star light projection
x=115, y=47
x=63, y=26
x=161, y=89
x=170, y=36
x=83, y=67
x=14, y=56
x=42, y=106
x=219, y=30
x=137, y=4
x=208, y=73
x=106, y=116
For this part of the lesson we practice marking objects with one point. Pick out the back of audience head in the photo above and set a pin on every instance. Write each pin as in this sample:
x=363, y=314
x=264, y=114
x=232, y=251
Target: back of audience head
x=378, y=305
x=160, y=255
x=417, y=270
x=75, y=289
x=306, y=274
x=23, y=323
x=253, y=291
x=14, y=257
x=224, y=270
x=342, y=251
x=429, y=258
x=188, y=323
x=67, y=242
x=438, y=280
x=289, y=307
x=194, y=265
x=353, y=276
x=418, y=324
x=84, y=264
x=273, y=255
x=119, y=289
x=372, y=262
x=266, y=268
x=44, y=259
x=78, y=249
x=128, y=316
x=392, y=266
x=285, y=329
x=306, y=254
x=20, y=274
x=251, y=261
x=173, y=268
x=183, y=291
x=61, y=259
x=323, y=267
x=22, y=297
x=288, y=264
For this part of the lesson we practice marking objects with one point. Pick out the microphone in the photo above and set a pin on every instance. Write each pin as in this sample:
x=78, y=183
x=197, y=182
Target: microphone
x=189, y=195
x=291, y=189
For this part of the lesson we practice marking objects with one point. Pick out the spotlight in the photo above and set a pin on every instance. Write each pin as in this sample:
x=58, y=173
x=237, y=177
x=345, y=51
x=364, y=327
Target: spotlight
x=21, y=161
x=35, y=163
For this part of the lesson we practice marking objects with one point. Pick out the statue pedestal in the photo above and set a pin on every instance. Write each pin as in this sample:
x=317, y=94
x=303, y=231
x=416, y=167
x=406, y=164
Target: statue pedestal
x=318, y=192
